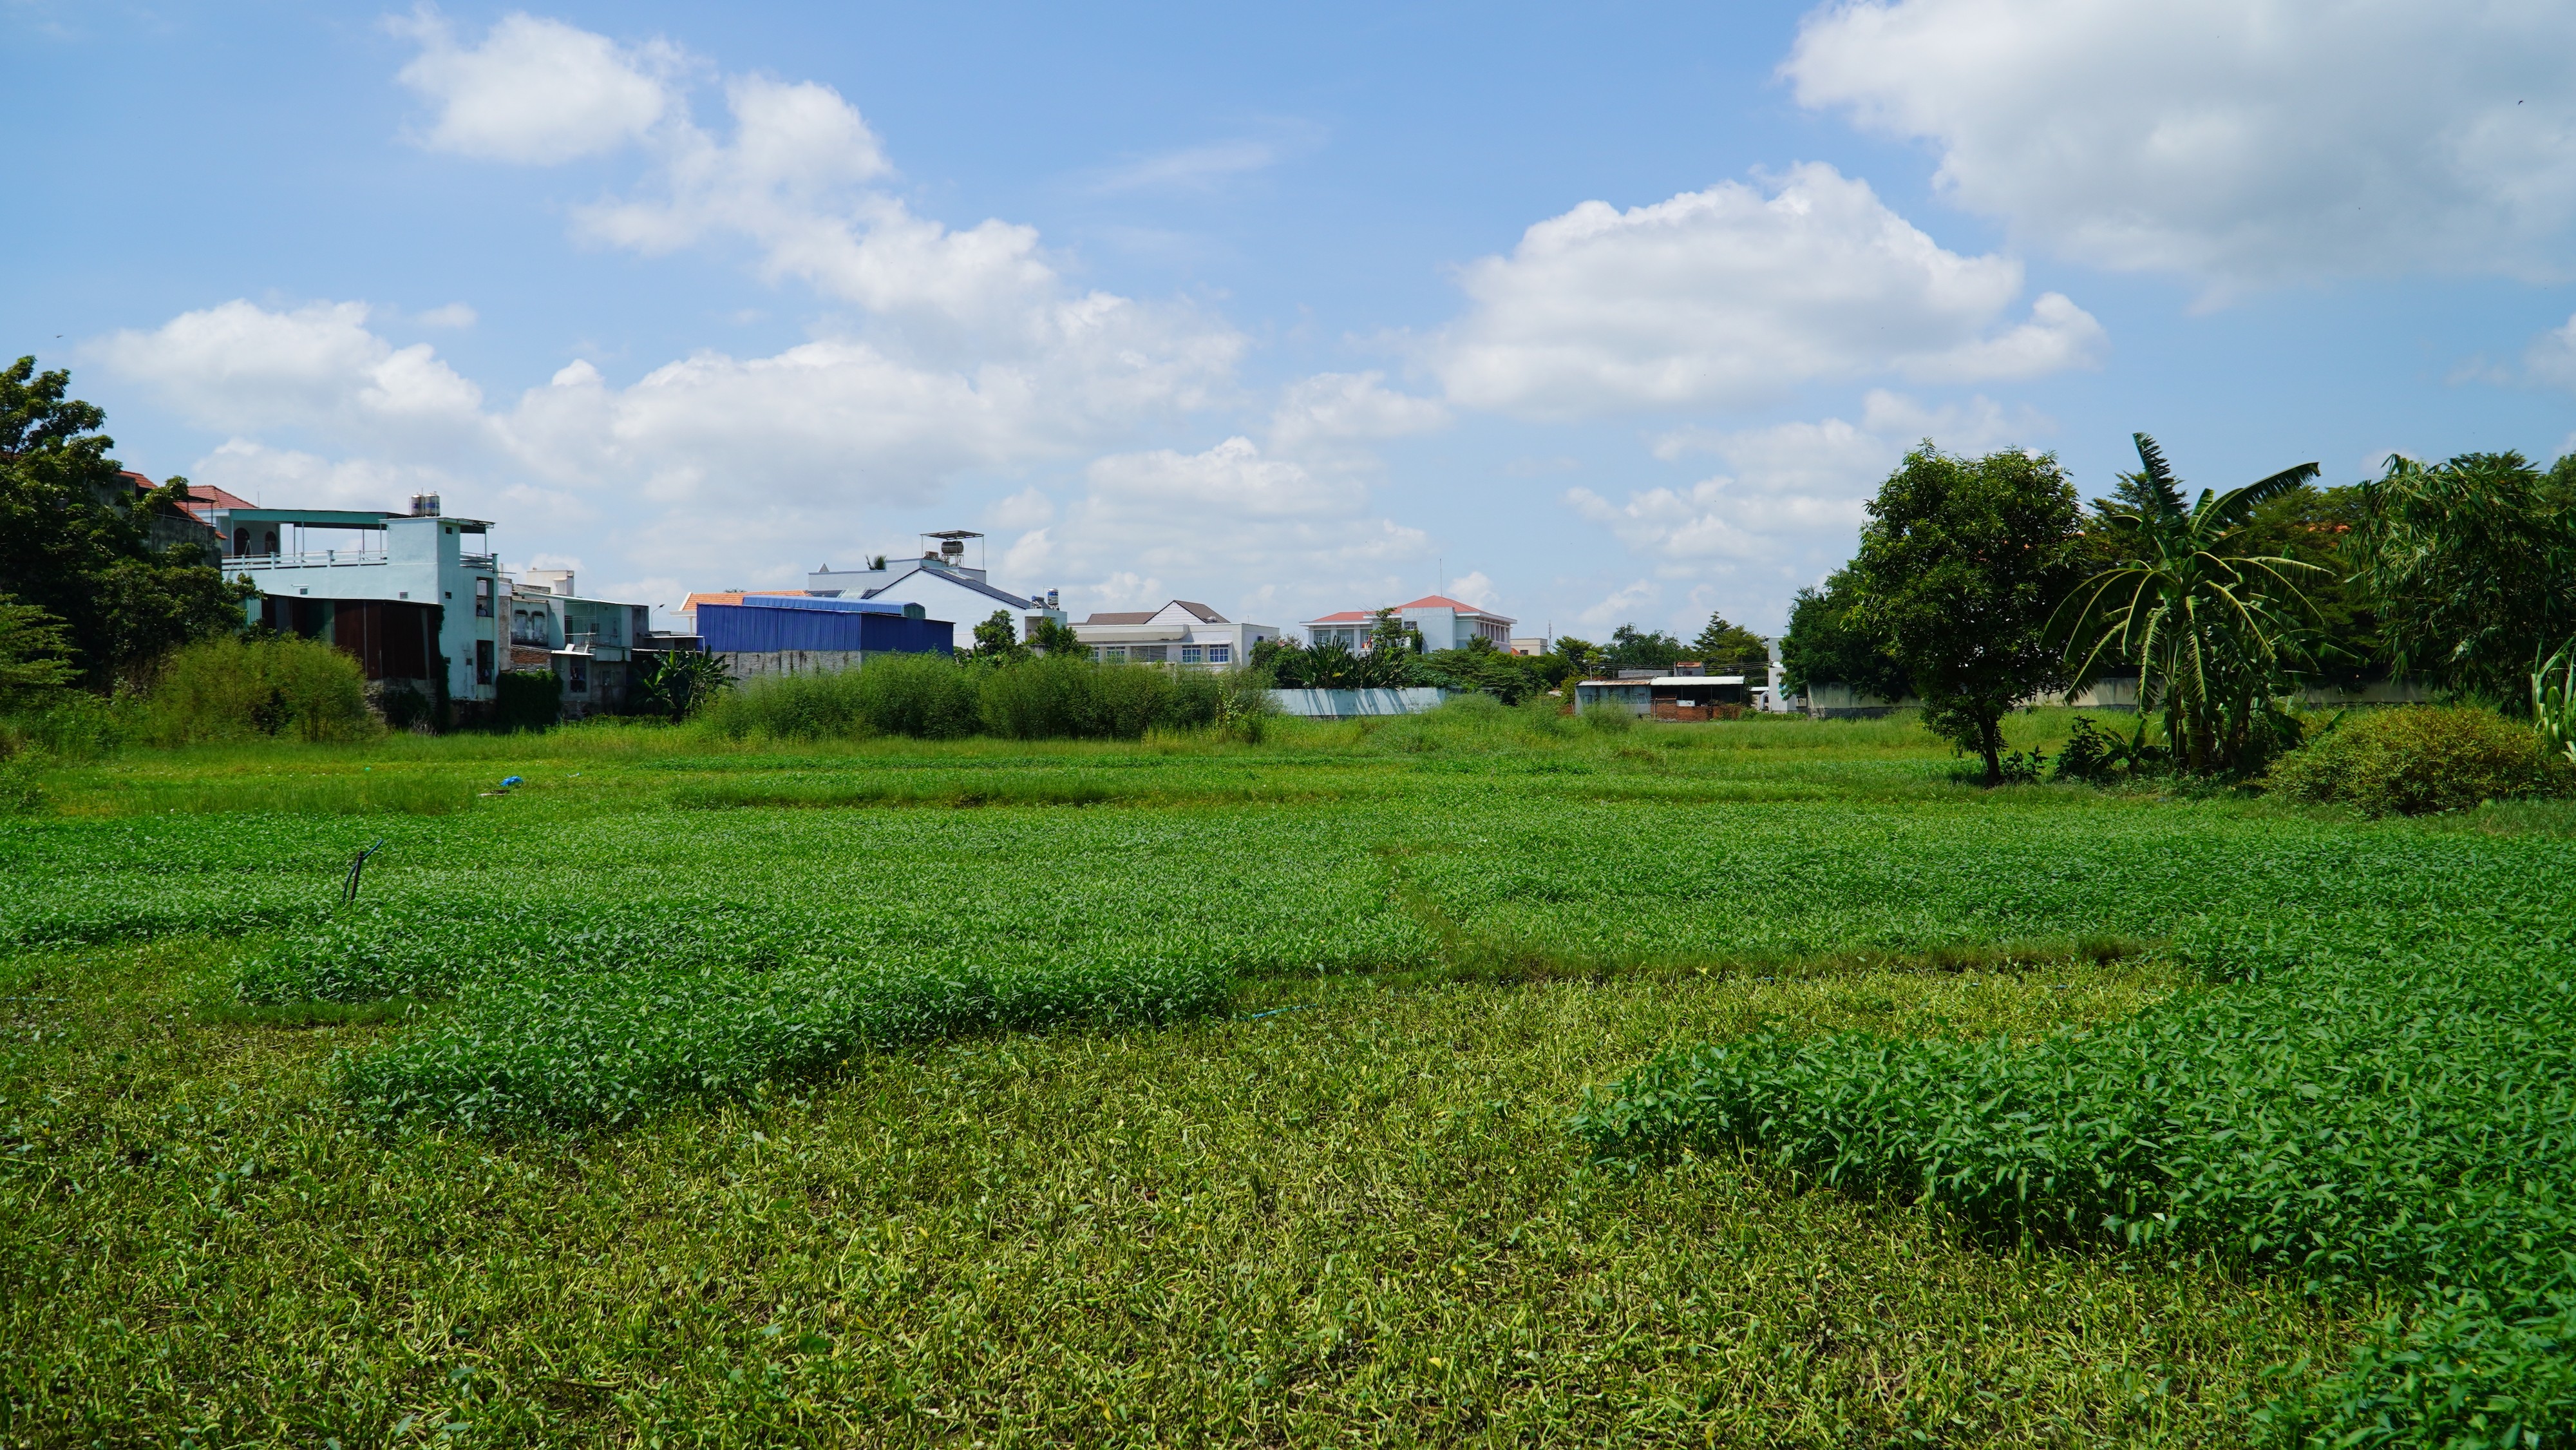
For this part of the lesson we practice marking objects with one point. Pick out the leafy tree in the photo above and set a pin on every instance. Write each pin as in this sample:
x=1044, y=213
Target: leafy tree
x=1053, y=637
x=2471, y=565
x=1569, y=658
x=1729, y=648
x=1960, y=566
x=1389, y=634
x=74, y=544
x=1480, y=666
x=998, y=638
x=33, y=650
x=2210, y=627
x=1631, y=649
x=1827, y=644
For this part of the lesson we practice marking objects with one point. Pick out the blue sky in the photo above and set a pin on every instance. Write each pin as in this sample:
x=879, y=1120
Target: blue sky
x=1605, y=314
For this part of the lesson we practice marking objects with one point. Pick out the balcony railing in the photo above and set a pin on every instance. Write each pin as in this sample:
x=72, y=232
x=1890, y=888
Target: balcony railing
x=320, y=559
x=478, y=561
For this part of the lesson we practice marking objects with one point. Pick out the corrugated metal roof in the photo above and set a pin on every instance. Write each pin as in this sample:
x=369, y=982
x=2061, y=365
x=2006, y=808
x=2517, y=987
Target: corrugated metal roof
x=821, y=604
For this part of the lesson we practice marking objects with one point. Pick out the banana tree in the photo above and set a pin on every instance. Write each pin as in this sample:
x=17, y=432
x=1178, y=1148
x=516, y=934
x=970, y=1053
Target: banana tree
x=2210, y=630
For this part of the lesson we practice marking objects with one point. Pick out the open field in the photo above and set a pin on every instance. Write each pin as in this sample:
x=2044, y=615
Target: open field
x=1010, y=1094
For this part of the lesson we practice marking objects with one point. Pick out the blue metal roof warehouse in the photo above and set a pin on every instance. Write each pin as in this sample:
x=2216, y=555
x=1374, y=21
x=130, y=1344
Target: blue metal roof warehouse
x=770, y=624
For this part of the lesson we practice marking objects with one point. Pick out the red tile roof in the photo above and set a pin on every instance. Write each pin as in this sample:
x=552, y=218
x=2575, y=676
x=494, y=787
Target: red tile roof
x=1441, y=601
x=203, y=499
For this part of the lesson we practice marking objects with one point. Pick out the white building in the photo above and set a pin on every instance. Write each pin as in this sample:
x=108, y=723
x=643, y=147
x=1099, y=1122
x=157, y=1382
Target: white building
x=1442, y=622
x=941, y=582
x=1179, y=633
x=399, y=591
x=588, y=644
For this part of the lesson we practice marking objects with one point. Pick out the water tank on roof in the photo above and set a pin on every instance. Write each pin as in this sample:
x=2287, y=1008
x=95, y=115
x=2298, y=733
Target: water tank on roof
x=424, y=505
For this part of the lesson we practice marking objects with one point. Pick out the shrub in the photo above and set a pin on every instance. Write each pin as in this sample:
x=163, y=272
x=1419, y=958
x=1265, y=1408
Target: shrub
x=233, y=689
x=2416, y=759
x=521, y=700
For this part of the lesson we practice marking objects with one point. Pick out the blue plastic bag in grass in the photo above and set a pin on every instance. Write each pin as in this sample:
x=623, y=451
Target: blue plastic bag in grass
x=509, y=781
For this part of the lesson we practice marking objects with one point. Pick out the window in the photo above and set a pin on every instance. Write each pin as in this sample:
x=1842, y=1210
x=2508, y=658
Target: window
x=241, y=540
x=580, y=675
x=268, y=542
x=1113, y=654
x=1192, y=655
x=482, y=599
x=1145, y=654
x=482, y=661
x=1220, y=654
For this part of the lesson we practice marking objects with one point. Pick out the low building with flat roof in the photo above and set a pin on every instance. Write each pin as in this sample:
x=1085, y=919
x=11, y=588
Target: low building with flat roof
x=1182, y=632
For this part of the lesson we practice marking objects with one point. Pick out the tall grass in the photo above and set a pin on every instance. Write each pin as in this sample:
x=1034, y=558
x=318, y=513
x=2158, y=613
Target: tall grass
x=931, y=697
x=236, y=689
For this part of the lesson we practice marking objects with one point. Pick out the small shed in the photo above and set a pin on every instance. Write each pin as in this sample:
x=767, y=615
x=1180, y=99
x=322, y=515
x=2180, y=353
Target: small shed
x=1670, y=697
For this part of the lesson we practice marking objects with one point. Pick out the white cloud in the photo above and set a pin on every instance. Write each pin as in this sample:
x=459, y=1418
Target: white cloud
x=454, y=314
x=1259, y=537
x=2551, y=358
x=1027, y=509
x=2241, y=142
x=287, y=478
x=239, y=367
x=536, y=91
x=1731, y=295
x=1475, y=588
x=1621, y=607
x=1791, y=501
x=1337, y=408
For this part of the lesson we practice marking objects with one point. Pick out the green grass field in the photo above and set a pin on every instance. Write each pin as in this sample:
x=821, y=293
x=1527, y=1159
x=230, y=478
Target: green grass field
x=1183, y=1092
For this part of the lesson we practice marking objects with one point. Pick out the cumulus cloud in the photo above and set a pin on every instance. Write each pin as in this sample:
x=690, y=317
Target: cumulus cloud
x=1729, y=296
x=535, y=91
x=239, y=367
x=1791, y=497
x=1213, y=522
x=2241, y=142
x=1330, y=409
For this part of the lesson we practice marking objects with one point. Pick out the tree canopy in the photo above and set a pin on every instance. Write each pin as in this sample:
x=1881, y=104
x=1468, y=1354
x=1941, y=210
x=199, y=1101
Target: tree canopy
x=2471, y=564
x=1828, y=644
x=1961, y=565
x=74, y=544
x=1722, y=644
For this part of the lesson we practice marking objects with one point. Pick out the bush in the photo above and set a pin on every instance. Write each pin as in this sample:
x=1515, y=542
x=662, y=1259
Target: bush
x=234, y=689
x=71, y=725
x=521, y=700
x=2416, y=759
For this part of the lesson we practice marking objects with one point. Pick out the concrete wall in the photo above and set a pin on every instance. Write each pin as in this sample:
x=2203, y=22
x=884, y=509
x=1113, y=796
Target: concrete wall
x=1351, y=704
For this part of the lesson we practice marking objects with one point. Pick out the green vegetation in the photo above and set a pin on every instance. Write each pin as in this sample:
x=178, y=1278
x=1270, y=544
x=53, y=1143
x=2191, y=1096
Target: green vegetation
x=864, y=1088
x=1017, y=697
x=2418, y=759
x=1961, y=565
x=78, y=544
x=2382, y=1103
x=229, y=688
x=2212, y=630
